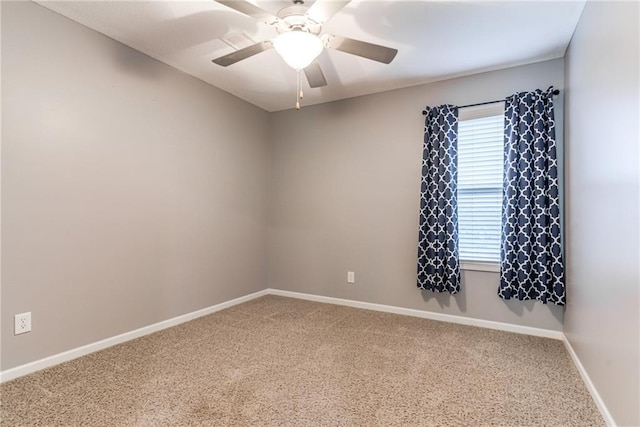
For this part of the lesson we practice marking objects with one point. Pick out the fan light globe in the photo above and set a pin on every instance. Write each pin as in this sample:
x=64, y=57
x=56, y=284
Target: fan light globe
x=298, y=48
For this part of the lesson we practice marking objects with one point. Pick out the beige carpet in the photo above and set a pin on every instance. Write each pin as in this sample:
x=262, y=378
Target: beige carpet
x=281, y=361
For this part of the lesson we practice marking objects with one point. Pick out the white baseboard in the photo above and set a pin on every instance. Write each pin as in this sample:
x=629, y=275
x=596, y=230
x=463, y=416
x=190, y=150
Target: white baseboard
x=489, y=324
x=56, y=359
x=608, y=419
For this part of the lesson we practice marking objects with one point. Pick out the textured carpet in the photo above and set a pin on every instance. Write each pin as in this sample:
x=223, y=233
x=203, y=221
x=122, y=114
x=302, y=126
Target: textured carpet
x=283, y=361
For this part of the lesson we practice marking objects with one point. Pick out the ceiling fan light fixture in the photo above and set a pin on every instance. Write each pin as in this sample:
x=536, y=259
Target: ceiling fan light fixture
x=298, y=48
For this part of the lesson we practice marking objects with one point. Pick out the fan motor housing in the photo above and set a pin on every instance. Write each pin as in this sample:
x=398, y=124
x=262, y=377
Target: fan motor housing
x=295, y=18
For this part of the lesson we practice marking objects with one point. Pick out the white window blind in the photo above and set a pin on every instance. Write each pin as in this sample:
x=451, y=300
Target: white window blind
x=480, y=154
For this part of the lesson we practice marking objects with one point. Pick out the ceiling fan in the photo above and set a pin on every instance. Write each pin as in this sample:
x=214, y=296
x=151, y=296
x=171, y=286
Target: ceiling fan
x=299, y=41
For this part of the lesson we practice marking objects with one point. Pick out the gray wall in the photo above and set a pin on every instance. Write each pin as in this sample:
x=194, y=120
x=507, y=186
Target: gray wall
x=603, y=315
x=345, y=196
x=132, y=193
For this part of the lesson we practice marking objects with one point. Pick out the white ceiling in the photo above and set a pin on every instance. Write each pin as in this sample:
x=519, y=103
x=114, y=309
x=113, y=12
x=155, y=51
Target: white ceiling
x=436, y=40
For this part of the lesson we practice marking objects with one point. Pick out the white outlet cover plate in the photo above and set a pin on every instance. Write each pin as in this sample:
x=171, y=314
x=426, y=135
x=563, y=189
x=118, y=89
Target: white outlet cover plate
x=22, y=323
x=351, y=277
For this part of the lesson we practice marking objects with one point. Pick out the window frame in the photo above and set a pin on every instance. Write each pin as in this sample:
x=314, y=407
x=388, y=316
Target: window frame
x=470, y=113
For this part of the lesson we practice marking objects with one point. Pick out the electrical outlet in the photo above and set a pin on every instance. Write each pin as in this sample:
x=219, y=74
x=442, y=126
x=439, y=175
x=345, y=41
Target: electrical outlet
x=351, y=277
x=22, y=323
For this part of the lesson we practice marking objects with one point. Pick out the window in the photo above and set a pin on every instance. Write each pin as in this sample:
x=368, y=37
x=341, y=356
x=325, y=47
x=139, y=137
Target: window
x=480, y=163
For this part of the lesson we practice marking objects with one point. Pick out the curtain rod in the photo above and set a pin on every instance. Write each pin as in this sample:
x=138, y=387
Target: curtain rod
x=424, y=113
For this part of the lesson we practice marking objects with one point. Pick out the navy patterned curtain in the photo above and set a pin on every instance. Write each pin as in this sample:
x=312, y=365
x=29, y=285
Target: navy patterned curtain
x=438, y=263
x=531, y=264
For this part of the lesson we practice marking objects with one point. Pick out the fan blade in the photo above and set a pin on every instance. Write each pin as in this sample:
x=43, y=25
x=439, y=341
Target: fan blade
x=315, y=76
x=241, y=54
x=251, y=10
x=366, y=50
x=322, y=10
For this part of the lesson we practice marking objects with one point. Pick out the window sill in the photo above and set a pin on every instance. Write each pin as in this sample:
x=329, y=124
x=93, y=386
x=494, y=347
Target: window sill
x=493, y=267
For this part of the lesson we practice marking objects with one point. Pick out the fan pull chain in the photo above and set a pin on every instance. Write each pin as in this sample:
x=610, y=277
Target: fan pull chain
x=298, y=91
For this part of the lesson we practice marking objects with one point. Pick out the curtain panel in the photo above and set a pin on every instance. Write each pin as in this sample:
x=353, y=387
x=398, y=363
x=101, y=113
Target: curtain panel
x=438, y=263
x=531, y=265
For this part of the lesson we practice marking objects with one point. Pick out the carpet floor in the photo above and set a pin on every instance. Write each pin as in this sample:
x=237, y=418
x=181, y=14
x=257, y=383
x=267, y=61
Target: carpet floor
x=277, y=361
